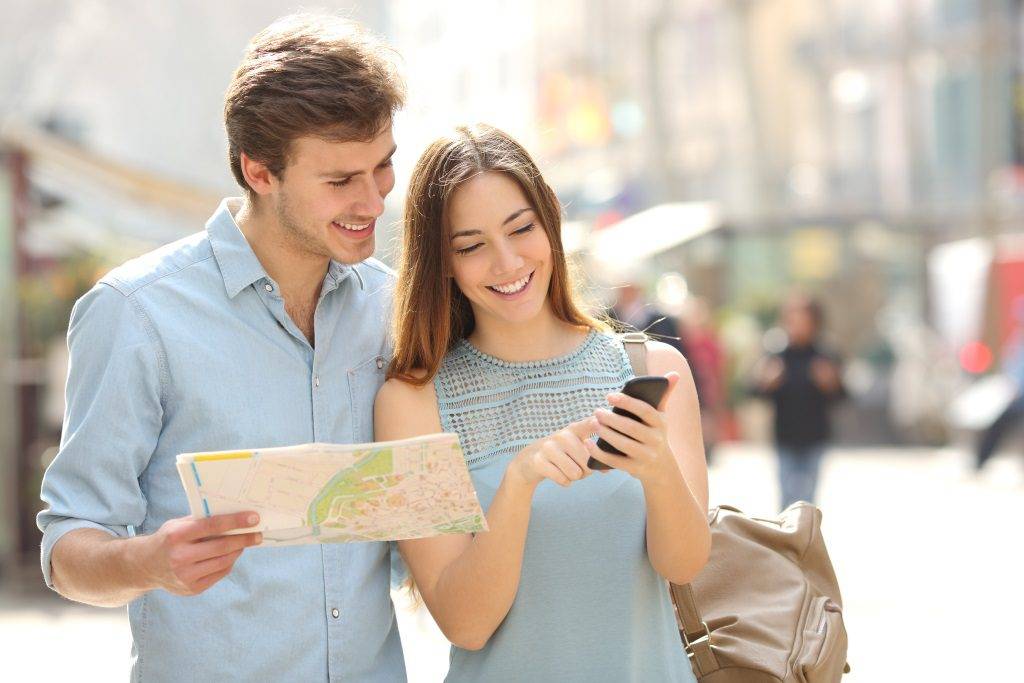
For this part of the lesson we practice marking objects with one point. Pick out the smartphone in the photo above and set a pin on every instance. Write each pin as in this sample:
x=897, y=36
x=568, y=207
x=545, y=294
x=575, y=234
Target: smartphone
x=647, y=388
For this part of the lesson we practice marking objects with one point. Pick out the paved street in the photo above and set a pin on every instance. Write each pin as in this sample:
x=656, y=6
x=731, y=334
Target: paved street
x=927, y=556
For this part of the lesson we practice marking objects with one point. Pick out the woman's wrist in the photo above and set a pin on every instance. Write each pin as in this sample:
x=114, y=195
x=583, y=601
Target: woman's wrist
x=517, y=480
x=665, y=478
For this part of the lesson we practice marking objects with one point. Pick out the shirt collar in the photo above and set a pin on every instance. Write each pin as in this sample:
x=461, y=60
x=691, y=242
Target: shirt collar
x=238, y=263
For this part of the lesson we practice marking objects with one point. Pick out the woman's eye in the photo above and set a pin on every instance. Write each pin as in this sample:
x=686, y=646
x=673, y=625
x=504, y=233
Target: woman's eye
x=467, y=250
x=524, y=229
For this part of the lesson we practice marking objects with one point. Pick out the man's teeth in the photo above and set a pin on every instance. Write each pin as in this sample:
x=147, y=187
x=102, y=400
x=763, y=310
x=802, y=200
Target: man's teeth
x=353, y=226
x=513, y=287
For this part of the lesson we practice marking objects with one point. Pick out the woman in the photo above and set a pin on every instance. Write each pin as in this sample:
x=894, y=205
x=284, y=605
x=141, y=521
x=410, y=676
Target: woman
x=568, y=583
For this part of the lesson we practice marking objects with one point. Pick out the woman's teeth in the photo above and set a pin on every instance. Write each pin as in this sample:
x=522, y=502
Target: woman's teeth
x=512, y=287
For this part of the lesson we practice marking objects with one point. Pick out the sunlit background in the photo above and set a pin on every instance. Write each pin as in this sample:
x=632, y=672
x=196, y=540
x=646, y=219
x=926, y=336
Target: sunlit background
x=715, y=154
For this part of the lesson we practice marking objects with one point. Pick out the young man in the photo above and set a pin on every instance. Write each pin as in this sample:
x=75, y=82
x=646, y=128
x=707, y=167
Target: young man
x=267, y=329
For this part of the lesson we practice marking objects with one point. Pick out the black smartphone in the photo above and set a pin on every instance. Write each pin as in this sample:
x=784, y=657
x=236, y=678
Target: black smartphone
x=647, y=388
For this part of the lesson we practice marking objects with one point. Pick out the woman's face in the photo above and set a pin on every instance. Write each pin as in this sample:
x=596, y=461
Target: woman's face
x=499, y=251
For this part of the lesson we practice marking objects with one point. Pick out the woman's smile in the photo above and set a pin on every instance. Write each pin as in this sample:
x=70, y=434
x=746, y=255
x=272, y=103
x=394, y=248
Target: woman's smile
x=514, y=289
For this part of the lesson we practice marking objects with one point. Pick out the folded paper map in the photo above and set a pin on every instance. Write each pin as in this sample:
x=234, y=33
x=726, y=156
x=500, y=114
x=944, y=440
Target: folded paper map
x=331, y=493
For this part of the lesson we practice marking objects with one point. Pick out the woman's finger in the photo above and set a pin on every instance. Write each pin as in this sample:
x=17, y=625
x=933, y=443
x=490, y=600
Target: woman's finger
x=619, y=462
x=634, y=429
x=573, y=446
x=560, y=459
x=645, y=412
x=625, y=444
x=548, y=470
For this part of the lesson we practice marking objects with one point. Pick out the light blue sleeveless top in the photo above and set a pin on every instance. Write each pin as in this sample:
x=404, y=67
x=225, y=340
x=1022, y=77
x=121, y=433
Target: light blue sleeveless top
x=589, y=607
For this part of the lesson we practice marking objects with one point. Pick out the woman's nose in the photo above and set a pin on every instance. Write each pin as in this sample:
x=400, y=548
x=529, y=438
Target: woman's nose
x=507, y=259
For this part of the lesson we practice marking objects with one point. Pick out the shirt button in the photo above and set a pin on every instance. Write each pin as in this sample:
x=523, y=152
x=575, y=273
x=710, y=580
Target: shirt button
x=335, y=613
x=316, y=380
x=380, y=363
x=269, y=287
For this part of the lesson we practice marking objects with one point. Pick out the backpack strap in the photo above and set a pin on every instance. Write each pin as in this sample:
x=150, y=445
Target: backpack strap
x=635, y=344
x=693, y=631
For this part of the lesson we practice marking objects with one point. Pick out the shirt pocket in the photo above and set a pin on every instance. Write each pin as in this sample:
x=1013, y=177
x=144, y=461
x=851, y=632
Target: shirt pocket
x=364, y=380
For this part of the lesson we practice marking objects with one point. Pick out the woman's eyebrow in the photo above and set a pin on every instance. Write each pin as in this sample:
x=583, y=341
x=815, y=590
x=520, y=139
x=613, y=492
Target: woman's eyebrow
x=512, y=216
x=516, y=214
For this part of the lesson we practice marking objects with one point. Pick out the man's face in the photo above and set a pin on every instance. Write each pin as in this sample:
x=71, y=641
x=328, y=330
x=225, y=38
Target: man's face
x=330, y=195
x=799, y=324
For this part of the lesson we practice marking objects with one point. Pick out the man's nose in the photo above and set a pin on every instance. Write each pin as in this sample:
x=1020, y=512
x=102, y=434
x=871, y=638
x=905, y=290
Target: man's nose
x=371, y=203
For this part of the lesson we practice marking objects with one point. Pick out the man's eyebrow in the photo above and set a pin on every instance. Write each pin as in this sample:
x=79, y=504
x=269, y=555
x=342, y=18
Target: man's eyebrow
x=351, y=174
x=511, y=217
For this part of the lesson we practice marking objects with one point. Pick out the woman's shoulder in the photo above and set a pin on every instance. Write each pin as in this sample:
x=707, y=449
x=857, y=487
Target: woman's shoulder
x=406, y=408
x=409, y=392
x=662, y=358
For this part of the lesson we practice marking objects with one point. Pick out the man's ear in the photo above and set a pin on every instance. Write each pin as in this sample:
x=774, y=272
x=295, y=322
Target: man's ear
x=256, y=174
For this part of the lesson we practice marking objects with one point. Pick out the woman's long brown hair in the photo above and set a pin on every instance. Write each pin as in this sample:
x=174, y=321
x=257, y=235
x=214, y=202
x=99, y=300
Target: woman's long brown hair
x=430, y=312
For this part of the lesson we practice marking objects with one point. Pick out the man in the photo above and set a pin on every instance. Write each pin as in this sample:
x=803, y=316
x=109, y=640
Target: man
x=267, y=329
x=802, y=381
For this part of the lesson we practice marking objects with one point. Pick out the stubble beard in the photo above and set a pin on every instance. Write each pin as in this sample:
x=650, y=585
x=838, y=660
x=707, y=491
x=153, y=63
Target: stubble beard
x=295, y=237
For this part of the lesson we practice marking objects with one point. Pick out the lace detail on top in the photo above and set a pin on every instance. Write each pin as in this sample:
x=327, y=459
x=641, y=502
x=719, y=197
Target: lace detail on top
x=497, y=407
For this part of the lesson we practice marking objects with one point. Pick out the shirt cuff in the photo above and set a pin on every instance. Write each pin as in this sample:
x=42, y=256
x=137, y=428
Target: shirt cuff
x=56, y=529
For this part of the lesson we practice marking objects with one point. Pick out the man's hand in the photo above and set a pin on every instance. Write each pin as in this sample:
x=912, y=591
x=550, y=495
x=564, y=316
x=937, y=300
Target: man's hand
x=770, y=373
x=186, y=556
x=825, y=375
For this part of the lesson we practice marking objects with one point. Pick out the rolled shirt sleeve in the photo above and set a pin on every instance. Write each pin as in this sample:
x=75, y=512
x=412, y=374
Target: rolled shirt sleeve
x=112, y=421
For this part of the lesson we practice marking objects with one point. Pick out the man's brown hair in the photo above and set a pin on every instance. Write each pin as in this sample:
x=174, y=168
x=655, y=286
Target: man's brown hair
x=308, y=75
x=430, y=311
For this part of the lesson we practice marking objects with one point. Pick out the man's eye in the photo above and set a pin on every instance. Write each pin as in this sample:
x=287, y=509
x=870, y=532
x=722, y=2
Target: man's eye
x=468, y=250
x=339, y=183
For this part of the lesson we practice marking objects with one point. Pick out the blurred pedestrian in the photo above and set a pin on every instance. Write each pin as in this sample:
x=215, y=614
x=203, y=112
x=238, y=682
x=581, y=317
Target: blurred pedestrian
x=707, y=361
x=1013, y=367
x=802, y=381
x=633, y=311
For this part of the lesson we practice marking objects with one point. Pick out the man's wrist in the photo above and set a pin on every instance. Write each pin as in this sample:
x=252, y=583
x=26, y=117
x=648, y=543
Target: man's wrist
x=136, y=556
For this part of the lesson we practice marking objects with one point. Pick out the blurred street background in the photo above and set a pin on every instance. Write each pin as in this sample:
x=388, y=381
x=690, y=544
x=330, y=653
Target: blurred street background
x=712, y=157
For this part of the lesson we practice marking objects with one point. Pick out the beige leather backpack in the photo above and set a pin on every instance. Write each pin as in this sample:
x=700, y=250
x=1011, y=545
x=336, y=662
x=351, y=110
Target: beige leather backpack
x=766, y=608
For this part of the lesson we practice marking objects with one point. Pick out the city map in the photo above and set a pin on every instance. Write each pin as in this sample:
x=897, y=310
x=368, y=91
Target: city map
x=338, y=493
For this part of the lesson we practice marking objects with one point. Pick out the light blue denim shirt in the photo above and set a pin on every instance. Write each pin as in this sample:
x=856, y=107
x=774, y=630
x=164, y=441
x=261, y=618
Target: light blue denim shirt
x=189, y=348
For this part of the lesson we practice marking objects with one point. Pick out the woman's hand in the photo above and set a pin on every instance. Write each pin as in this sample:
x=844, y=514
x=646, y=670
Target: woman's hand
x=561, y=457
x=648, y=454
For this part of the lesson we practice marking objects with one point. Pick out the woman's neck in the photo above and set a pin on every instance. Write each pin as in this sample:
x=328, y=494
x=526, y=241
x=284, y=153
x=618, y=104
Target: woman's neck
x=539, y=339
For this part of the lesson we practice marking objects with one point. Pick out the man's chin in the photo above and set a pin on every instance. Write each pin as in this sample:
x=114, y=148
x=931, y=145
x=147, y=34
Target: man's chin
x=353, y=254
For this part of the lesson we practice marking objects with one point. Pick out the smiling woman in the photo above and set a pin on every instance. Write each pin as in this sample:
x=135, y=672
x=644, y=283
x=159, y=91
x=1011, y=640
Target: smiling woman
x=568, y=583
x=450, y=243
